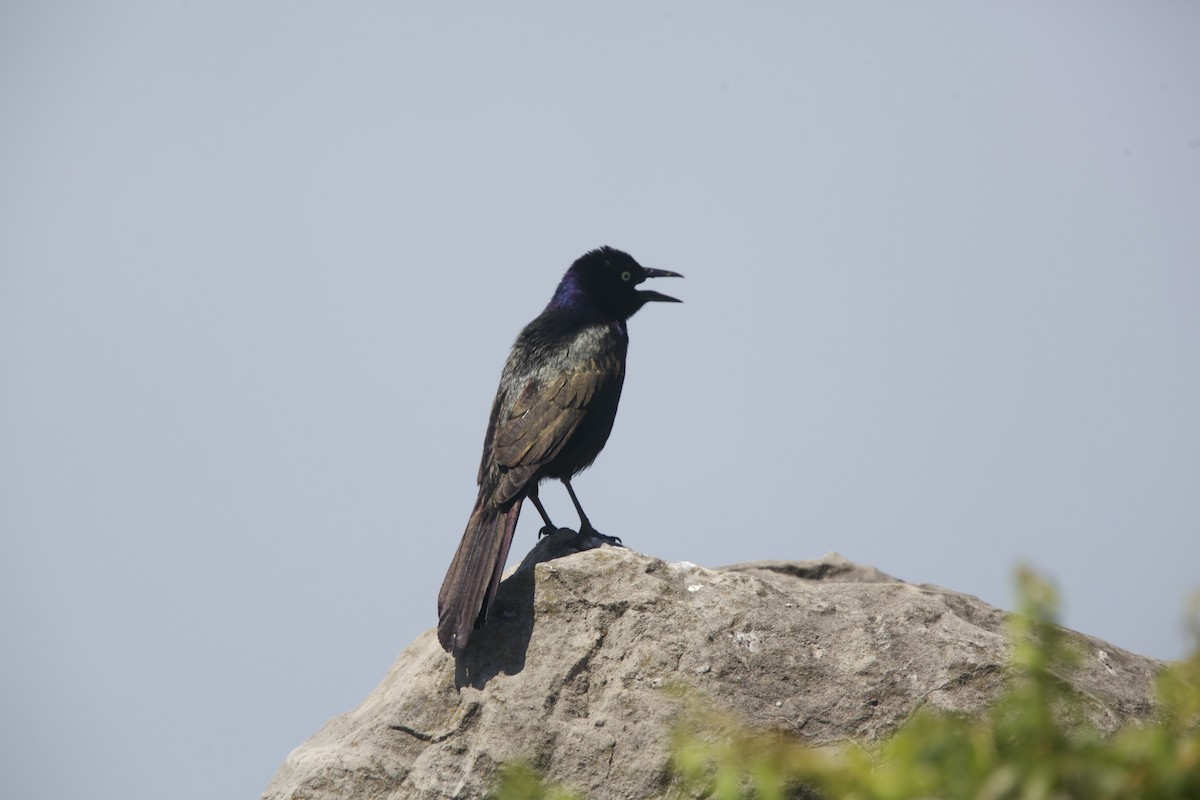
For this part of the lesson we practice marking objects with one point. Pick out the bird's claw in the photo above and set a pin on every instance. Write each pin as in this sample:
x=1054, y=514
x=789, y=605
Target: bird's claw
x=587, y=537
x=589, y=531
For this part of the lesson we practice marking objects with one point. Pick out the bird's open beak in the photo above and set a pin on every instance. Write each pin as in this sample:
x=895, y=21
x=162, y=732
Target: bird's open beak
x=650, y=295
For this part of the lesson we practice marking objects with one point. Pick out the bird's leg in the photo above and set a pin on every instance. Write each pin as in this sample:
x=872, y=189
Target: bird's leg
x=549, y=527
x=585, y=525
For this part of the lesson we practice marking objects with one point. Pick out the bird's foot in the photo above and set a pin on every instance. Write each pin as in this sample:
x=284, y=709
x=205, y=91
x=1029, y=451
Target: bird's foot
x=558, y=542
x=588, y=532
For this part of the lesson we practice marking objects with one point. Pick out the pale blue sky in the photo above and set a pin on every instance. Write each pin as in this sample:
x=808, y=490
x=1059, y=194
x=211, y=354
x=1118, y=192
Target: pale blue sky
x=262, y=262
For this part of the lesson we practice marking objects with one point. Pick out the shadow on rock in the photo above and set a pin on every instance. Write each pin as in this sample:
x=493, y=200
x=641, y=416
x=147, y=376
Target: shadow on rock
x=500, y=645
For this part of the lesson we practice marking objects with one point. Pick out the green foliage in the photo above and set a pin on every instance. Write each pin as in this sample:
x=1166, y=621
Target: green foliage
x=522, y=782
x=1034, y=743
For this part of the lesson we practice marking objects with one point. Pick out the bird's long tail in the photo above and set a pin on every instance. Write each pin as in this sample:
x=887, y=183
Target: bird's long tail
x=470, y=584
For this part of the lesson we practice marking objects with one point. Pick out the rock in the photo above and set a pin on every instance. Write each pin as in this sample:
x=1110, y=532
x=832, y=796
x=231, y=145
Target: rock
x=570, y=674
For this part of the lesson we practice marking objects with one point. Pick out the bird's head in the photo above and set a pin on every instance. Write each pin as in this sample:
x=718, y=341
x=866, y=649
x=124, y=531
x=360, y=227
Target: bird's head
x=605, y=281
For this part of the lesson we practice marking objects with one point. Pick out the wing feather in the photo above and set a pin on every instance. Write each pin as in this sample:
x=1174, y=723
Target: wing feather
x=538, y=424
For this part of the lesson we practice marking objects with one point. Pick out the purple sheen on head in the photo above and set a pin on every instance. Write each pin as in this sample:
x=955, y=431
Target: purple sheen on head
x=568, y=294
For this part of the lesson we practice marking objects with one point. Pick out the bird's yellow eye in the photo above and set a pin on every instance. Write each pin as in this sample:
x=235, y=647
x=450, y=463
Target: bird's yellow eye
x=625, y=276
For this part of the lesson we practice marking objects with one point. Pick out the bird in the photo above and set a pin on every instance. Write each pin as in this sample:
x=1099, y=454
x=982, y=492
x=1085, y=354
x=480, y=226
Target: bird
x=551, y=417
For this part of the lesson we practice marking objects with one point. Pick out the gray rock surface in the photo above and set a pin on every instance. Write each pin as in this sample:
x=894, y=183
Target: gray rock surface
x=569, y=674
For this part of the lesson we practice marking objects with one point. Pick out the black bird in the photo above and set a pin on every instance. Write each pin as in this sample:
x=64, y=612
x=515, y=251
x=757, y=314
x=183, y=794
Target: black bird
x=551, y=417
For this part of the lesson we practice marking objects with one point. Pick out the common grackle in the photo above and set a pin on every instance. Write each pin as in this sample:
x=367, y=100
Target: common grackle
x=552, y=415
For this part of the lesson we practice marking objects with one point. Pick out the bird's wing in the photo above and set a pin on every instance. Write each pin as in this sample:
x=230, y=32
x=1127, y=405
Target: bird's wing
x=493, y=418
x=541, y=420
